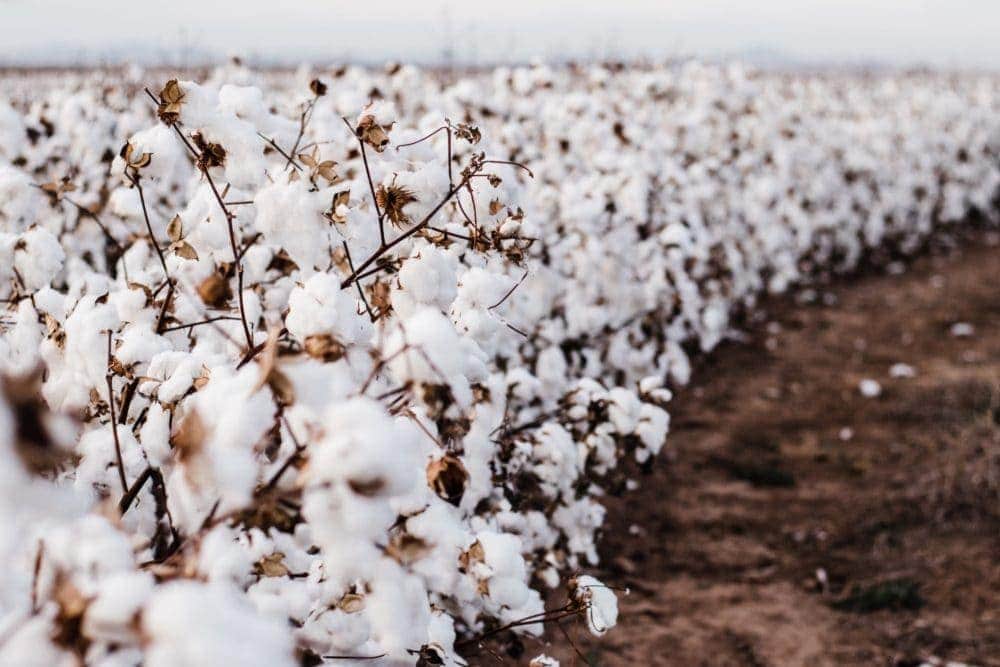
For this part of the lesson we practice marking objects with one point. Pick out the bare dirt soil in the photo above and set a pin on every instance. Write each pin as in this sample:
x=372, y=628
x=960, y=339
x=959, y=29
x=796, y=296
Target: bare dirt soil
x=797, y=522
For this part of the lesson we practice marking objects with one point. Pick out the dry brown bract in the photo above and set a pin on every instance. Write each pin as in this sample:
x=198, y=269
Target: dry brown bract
x=171, y=97
x=391, y=200
x=370, y=132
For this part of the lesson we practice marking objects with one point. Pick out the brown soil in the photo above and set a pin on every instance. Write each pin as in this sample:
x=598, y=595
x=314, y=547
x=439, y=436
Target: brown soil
x=770, y=537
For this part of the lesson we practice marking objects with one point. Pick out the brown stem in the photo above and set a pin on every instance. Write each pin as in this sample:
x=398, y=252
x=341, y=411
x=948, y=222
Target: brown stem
x=371, y=185
x=135, y=180
x=114, y=422
x=236, y=256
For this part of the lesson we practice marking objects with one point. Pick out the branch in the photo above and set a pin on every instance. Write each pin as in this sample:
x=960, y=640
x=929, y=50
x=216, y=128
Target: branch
x=114, y=422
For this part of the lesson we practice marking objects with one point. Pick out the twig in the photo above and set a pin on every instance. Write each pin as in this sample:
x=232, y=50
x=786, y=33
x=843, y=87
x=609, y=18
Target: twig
x=130, y=494
x=236, y=256
x=134, y=178
x=196, y=324
x=361, y=291
x=114, y=422
x=371, y=185
x=274, y=144
x=509, y=292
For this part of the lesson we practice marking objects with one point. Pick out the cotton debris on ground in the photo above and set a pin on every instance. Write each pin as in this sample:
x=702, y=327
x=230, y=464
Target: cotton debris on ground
x=283, y=384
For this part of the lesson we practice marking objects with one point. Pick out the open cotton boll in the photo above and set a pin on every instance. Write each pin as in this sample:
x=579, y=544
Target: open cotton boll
x=398, y=610
x=19, y=201
x=190, y=624
x=601, y=604
x=366, y=450
x=12, y=133
x=169, y=161
x=38, y=258
x=427, y=277
x=423, y=349
x=290, y=216
x=901, y=370
x=225, y=421
x=111, y=616
x=30, y=645
x=319, y=306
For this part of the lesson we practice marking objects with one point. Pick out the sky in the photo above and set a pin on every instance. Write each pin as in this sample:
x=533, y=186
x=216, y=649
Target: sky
x=943, y=33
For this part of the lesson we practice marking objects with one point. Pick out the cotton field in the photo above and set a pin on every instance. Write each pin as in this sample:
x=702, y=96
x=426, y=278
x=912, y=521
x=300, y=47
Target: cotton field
x=338, y=365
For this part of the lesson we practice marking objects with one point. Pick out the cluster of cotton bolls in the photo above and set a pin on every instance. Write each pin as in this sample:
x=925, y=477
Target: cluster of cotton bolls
x=261, y=393
x=305, y=368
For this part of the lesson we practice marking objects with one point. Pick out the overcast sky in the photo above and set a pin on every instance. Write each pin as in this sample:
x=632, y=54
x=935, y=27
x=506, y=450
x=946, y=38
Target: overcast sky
x=954, y=33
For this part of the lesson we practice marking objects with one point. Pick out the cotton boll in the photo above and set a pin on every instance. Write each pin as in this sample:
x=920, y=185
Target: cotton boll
x=373, y=454
x=30, y=645
x=39, y=258
x=235, y=414
x=398, y=610
x=320, y=307
x=422, y=349
x=426, y=278
x=19, y=201
x=601, y=604
x=291, y=217
x=111, y=616
x=189, y=624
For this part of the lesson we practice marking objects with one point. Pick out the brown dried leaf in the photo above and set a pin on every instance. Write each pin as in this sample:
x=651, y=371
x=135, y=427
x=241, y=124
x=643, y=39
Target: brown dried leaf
x=327, y=169
x=272, y=565
x=371, y=132
x=175, y=229
x=189, y=438
x=184, y=249
x=215, y=291
x=351, y=603
x=406, y=549
x=324, y=347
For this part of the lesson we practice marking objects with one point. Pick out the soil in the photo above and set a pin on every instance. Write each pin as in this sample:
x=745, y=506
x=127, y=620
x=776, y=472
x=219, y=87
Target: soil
x=795, y=521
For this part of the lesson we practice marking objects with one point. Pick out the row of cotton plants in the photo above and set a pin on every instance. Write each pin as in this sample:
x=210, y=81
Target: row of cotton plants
x=335, y=365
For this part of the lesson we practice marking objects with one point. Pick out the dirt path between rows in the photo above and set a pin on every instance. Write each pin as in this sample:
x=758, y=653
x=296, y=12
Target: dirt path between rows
x=797, y=522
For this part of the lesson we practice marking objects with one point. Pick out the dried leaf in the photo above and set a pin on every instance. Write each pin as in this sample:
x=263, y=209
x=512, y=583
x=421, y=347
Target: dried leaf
x=215, y=291
x=327, y=170
x=324, y=347
x=351, y=603
x=371, y=132
x=184, y=249
x=189, y=438
x=406, y=549
x=171, y=97
x=272, y=565
x=175, y=229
